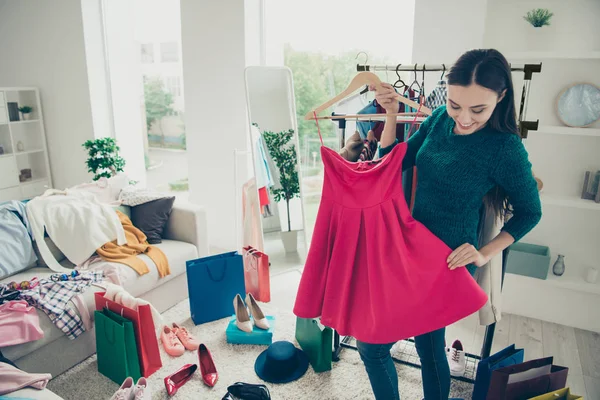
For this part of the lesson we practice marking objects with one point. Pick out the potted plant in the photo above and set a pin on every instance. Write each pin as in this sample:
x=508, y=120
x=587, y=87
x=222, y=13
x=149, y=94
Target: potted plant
x=539, y=39
x=283, y=152
x=103, y=158
x=26, y=112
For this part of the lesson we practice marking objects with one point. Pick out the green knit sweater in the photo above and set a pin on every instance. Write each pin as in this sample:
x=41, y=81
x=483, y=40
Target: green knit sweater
x=454, y=172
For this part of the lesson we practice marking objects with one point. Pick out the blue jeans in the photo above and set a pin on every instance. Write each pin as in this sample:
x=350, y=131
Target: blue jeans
x=435, y=371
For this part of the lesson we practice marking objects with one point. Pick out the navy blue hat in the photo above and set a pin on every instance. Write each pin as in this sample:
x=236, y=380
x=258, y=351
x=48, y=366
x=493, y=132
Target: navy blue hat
x=282, y=362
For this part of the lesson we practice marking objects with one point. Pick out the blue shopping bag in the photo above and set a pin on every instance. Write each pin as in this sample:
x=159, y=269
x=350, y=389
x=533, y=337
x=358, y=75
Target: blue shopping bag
x=213, y=282
x=504, y=358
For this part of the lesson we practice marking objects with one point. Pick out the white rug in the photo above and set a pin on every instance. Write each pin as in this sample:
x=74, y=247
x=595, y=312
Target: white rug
x=347, y=380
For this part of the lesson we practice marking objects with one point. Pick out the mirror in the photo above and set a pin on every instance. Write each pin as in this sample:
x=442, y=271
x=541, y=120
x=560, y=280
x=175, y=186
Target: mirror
x=274, y=215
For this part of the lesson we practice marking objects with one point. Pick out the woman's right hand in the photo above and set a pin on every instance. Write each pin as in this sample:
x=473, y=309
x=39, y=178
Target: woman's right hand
x=387, y=97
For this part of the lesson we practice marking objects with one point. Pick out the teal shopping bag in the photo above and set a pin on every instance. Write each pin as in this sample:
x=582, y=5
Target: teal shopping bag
x=213, y=282
x=116, y=347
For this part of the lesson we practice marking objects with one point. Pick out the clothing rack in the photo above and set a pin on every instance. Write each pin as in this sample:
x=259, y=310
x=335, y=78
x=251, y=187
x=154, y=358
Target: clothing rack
x=524, y=127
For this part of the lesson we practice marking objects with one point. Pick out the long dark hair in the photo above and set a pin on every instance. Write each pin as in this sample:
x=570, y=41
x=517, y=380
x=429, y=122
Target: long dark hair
x=489, y=68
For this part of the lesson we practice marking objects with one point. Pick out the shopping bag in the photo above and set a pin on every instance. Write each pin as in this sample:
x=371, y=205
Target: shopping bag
x=213, y=282
x=503, y=358
x=316, y=340
x=527, y=380
x=561, y=394
x=115, y=347
x=145, y=332
x=256, y=274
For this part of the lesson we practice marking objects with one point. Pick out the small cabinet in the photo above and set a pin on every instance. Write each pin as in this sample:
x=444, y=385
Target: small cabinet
x=8, y=172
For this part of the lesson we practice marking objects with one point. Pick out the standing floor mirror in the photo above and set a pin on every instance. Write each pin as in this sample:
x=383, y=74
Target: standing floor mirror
x=274, y=144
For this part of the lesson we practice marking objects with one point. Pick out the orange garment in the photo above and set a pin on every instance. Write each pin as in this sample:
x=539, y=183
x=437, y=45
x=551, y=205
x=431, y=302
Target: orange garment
x=136, y=244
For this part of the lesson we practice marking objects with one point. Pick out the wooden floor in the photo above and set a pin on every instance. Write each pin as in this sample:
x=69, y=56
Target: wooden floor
x=573, y=348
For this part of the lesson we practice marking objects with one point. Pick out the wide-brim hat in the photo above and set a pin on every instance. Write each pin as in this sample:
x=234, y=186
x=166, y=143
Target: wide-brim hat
x=282, y=362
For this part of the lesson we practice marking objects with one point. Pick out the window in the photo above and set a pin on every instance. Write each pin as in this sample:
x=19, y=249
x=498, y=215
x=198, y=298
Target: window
x=173, y=85
x=169, y=52
x=147, y=50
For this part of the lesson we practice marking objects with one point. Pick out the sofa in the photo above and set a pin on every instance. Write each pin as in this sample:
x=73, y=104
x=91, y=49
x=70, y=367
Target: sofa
x=184, y=238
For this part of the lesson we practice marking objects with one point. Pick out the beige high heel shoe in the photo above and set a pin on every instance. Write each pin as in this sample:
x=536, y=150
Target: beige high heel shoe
x=257, y=315
x=242, y=319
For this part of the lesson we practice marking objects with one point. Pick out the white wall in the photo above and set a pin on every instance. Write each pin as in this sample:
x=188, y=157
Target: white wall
x=42, y=44
x=213, y=47
x=443, y=29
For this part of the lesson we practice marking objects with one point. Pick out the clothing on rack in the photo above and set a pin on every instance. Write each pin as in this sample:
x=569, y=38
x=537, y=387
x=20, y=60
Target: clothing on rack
x=67, y=217
x=263, y=198
x=438, y=96
x=16, y=248
x=19, y=323
x=53, y=298
x=367, y=249
x=252, y=229
x=135, y=244
x=442, y=157
x=261, y=164
x=13, y=379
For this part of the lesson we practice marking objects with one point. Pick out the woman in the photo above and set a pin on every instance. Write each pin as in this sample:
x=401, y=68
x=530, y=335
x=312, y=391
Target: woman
x=467, y=152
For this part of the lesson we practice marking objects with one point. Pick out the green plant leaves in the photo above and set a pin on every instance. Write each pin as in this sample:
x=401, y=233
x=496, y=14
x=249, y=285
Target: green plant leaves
x=538, y=17
x=103, y=157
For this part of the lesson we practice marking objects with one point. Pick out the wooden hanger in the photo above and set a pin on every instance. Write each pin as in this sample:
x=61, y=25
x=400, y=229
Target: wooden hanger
x=361, y=79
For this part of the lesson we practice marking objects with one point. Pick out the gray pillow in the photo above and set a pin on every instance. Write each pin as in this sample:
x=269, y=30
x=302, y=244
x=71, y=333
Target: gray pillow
x=152, y=217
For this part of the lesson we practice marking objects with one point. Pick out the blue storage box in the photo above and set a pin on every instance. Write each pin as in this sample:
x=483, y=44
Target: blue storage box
x=258, y=336
x=528, y=260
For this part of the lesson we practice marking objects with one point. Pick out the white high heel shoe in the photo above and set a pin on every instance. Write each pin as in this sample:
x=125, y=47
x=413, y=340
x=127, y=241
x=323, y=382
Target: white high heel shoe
x=257, y=315
x=242, y=319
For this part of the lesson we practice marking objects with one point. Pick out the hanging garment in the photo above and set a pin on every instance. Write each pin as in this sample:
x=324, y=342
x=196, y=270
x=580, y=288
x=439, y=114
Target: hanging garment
x=19, y=323
x=438, y=96
x=261, y=164
x=135, y=244
x=263, y=197
x=13, y=379
x=53, y=297
x=373, y=271
x=76, y=222
x=16, y=248
x=252, y=226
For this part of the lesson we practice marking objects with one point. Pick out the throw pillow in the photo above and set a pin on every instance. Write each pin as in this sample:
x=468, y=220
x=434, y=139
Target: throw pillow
x=134, y=196
x=152, y=217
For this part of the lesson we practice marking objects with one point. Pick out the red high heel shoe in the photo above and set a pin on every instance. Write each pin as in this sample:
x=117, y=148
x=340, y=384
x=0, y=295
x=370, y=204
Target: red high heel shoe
x=174, y=381
x=207, y=366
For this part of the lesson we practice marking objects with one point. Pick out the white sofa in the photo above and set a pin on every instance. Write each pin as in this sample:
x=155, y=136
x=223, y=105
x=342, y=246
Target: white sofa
x=184, y=238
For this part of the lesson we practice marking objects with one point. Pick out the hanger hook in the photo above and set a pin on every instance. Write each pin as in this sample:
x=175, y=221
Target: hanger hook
x=415, y=82
x=399, y=79
x=423, y=80
x=444, y=72
x=366, y=57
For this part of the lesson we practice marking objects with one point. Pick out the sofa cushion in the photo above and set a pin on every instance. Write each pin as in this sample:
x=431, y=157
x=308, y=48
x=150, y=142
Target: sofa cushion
x=177, y=253
x=152, y=217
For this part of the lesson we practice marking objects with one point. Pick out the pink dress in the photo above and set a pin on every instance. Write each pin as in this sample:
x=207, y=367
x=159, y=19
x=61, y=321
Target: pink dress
x=373, y=272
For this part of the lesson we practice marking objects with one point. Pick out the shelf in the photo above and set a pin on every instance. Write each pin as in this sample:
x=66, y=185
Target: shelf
x=570, y=201
x=6, y=155
x=566, y=281
x=24, y=122
x=554, y=55
x=567, y=130
x=20, y=153
x=33, y=181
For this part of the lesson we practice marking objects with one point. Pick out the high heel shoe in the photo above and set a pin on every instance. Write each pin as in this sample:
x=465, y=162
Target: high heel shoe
x=174, y=381
x=207, y=366
x=257, y=315
x=242, y=319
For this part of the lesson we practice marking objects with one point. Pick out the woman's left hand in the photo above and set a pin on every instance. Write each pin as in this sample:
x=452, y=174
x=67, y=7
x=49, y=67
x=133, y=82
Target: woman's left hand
x=464, y=255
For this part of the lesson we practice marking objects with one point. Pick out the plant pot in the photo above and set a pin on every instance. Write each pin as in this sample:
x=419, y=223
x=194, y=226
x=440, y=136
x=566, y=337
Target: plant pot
x=26, y=116
x=290, y=241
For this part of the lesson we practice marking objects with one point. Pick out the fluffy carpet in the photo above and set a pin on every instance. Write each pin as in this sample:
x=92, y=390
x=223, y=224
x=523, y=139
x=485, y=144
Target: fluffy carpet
x=347, y=379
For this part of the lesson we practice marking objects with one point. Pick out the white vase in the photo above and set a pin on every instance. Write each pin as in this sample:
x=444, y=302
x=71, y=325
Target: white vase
x=26, y=116
x=290, y=241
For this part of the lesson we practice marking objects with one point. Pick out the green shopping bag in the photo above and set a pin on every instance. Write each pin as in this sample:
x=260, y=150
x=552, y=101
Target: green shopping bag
x=115, y=347
x=316, y=340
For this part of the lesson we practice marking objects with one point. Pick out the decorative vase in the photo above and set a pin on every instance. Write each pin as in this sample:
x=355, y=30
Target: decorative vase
x=26, y=116
x=559, y=266
x=20, y=146
x=290, y=241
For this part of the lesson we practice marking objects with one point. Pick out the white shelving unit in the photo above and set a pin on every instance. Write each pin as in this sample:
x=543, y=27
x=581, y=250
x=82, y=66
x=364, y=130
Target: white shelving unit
x=30, y=137
x=554, y=55
x=566, y=130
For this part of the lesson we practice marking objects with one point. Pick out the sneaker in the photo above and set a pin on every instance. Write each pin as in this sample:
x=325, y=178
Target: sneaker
x=141, y=391
x=125, y=392
x=457, y=359
x=187, y=339
x=171, y=343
